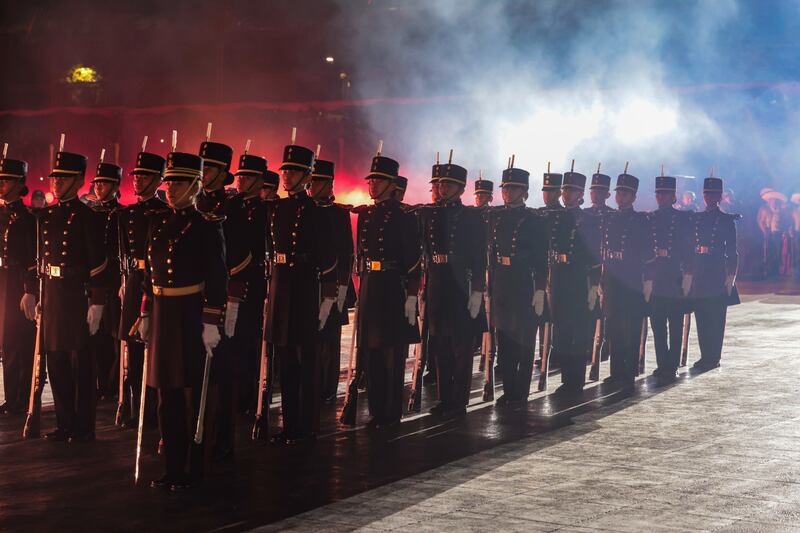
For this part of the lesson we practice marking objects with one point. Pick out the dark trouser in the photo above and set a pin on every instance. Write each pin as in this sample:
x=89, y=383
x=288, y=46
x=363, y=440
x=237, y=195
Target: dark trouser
x=385, y=381
x=72, y=381
x=666, y=320
x=624, y=334
x=329, y=349
x=516, y=366
x=105, y=352
x=135, y=367
x=300, y=384
x=17, y=368
x=710, y=315
x=177, y=416
x=453, y=370
x=772, y=255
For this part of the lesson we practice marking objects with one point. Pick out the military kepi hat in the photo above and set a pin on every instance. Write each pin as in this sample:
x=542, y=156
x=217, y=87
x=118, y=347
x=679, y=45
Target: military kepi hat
x=108, y=172
x=147, y=163
x=551, y=181
x=217, y=154
x=252, y=165
x=13, y=169
x=627, y=182
x=183, y=167
x=712, y=185
x=484, y=186
x=436, y=172
x=271, y=180
x=297, y=158
x=323, y=170
x=383, y=168
x=68, y=164
x=666, y=184
x=574, y=180
x=600, y=181
x=401, y=183
x=515, y=176
x=453, y=174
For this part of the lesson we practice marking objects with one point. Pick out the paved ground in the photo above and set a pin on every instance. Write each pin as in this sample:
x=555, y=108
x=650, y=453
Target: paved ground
x=718, y=451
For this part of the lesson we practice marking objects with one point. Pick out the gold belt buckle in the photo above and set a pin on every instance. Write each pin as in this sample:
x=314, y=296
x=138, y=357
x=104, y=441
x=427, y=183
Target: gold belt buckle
x=703, y=249
x=375, y=265
x=139, y=264
x=54, y=271
x=505, y=260
x=662, y=252
x=157, y=290
x=280, y=259
x=440, y=258
x=561, y=258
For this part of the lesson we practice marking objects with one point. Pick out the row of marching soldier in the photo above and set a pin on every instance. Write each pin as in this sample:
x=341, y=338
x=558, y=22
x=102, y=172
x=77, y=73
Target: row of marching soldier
x=213, y=295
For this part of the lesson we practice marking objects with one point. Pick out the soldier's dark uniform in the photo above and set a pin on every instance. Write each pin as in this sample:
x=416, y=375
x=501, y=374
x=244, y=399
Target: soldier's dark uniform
x=104, y=344
x=599, y=214
x=627, y=246
x=715, y=258
x=185, y=282
x=17, y=277
x=573, y=268
x=388, y=257
x=669, y=227
x=483, y=187
x=248, y=283
x=72, y=260
x=329, y=342
x=134, y=223
x=454, y=247
x=303, y=272
x=219, y=204
x=517, y=262
x=551, y=181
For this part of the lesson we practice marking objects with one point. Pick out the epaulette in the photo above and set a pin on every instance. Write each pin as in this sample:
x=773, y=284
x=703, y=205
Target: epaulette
x=211, y=217
x=346, y=207
x=359, y=208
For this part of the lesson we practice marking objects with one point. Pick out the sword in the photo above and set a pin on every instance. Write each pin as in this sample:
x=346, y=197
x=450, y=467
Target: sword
x=261, y=422
x=594, y=372
x=123, y=403
x=642, y=345
x=201, y=415
x=140, y=425
x=348, y=416
x=488, y=353
x=420, y=360
x=687, y=326
x=544, y=354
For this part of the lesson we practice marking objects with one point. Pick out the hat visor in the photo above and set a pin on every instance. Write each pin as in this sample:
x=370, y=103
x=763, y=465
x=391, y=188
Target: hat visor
x=58, y=173
x=603, y=187
x=248, y=172
x=268, y=185
x=625, y=188
x=454, y=180
x=666, y=189
x=321, y=177
x=294, y=166
x=551, y=188
x=103, y=179
x=573, y=187
x=379, y=176
x=512, y=184
x=144, y=171
x=6, y=176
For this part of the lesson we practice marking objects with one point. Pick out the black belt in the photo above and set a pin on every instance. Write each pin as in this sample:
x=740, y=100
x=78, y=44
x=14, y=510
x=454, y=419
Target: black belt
x=379, y=265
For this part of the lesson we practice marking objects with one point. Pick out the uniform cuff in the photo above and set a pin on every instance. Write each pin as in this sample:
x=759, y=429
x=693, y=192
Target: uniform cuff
x=329, y=290
x=237, y=290
x=213, y=315
x=97, y=296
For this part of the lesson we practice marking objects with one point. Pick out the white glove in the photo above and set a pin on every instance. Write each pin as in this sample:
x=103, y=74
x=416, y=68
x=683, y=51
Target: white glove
x=600, y=295
x=231, y=314
x=729, y=281
x=211, y=337
x=341, y=296
x=686, y=285
x=121, y=292
x=647, y=290
x=325, y=311
x=28, y=306
x=538, y=302
x=93, y=317
x=411, y=310
x=474, y=303
x=594, y=293
x=143, y=328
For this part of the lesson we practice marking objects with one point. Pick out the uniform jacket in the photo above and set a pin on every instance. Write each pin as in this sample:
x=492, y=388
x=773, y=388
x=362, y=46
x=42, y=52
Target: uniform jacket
x=672, y=249
x=715, y=255
x=627, y=247
x=17, y=270
x=338, y=216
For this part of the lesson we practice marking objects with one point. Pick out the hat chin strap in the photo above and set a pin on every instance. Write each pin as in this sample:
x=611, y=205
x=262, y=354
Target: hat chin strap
x=73, y=191
x=186, y=193
x=389, y=184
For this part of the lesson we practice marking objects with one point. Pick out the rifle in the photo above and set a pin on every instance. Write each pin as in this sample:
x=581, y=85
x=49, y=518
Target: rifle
x=642, y=345
x=124, y=399
x=594, y=372
x=201, y=415
x=140, y=426
x=420, y=360
x=687, y=325
x=32, y=421
x=261, y=422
